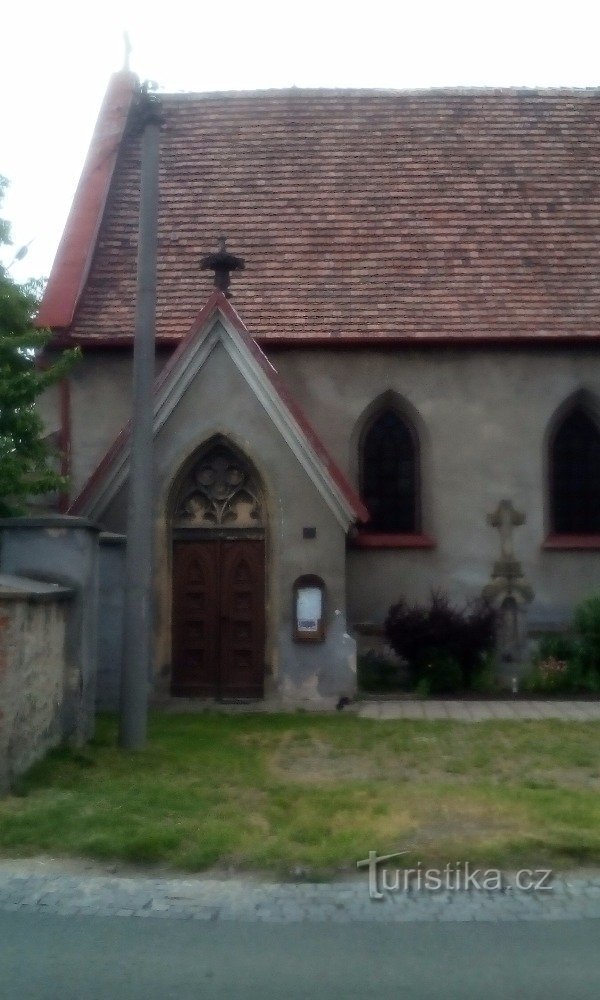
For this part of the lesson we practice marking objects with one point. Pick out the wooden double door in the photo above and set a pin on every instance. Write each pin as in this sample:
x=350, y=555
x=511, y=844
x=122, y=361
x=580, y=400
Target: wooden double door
x=218, y=618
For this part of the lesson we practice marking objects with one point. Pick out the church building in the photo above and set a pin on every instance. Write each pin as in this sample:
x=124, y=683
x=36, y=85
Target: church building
x=413, y=338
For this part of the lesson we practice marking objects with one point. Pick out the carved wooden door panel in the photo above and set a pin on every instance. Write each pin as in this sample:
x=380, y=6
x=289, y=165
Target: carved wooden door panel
x=242, y=618
x=195, y=618
x=218, y=618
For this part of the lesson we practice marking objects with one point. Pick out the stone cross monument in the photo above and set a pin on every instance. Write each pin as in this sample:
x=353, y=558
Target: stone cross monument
x=509, y=592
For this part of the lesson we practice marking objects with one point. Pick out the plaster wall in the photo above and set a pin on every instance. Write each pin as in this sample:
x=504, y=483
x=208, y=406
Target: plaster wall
x=219, y=401
x=483, y=417
x=100, y=404
x=48, y=407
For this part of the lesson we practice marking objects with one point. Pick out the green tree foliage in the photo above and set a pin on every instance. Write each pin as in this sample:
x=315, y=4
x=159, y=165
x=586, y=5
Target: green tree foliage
x=26, y=460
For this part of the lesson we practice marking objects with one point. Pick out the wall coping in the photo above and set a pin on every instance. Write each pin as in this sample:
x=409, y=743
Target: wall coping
x=112, y=538
x=566, y=542
x=379, y=540
x=49, y=521
x=14, y=588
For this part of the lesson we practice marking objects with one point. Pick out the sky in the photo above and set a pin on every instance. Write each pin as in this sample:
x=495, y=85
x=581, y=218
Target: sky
x=57, y=58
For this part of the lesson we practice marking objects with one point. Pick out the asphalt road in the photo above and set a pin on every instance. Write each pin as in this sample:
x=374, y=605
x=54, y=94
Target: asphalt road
x=47, y=957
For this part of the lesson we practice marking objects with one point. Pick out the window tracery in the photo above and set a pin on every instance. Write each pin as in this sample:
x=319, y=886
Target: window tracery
x=220, y=491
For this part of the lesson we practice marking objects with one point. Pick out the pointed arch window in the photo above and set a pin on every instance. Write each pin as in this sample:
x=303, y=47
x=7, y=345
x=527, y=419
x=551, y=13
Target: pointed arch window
x=575, y=475
x=390, y=475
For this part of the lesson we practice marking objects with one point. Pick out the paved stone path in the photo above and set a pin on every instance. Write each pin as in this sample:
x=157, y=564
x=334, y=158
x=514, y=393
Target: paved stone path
x=29, y=889
x=386, y=708
x=479, y=711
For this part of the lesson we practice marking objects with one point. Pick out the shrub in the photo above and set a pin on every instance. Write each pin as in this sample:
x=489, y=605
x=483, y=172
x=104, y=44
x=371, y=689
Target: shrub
x=377, y=673
x=484, y=680
x=442, y=674
x=568, y=664
x=559, y=647
x=553, y=676
x=441, y=643
x=587, y=625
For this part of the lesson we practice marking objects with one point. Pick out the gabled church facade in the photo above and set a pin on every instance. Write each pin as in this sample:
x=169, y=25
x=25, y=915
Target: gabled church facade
x=414, y=338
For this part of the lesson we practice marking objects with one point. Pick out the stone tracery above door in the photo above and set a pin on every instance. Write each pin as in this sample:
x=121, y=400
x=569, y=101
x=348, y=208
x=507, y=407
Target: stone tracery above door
x=220, y=491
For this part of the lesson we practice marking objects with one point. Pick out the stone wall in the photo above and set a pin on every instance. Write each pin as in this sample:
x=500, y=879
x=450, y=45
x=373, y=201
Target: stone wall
x=64, y=550
x=33, y=672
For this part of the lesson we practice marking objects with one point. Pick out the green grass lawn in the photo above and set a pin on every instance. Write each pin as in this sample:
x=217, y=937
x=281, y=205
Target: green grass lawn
x=271, y=792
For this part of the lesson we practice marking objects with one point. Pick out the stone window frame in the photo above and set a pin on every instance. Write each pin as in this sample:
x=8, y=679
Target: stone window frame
x=586, y=403
x=369, y=539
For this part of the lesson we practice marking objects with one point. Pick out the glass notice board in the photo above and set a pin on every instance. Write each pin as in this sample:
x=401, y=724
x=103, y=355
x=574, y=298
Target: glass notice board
x=309, y=611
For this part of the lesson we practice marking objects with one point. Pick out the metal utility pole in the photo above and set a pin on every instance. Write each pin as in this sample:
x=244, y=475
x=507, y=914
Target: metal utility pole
x=137, y=624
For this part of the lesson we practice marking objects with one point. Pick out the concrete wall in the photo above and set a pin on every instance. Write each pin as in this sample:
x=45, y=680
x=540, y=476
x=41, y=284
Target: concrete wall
x=219, y=401
x=111, y=597
x=483, y=417
x=34, y=673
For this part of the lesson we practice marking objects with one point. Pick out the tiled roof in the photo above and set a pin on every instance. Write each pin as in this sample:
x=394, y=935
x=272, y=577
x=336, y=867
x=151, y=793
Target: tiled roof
x=366, y=214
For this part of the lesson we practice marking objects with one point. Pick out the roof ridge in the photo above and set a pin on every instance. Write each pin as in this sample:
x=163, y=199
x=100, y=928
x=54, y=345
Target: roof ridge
x=75, y=251
x=516, y=90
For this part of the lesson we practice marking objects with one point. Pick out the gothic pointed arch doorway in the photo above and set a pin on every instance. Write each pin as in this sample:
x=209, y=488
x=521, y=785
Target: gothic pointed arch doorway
x=218, y=611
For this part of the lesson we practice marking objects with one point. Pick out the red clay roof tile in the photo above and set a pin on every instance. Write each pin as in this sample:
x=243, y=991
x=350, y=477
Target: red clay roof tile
x=366, y=214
